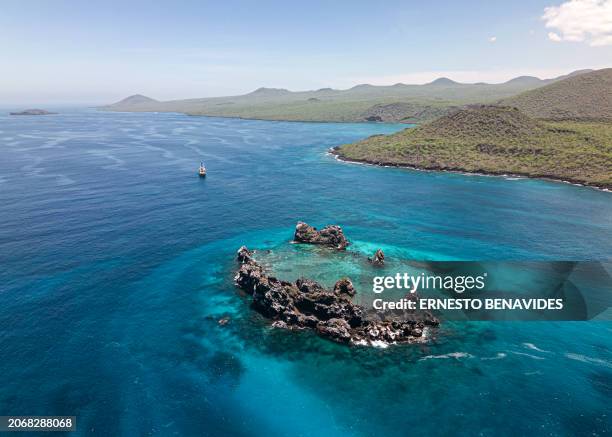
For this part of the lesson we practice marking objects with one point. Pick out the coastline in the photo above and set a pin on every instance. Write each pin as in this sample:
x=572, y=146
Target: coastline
x=237, y=117
x=334, y=151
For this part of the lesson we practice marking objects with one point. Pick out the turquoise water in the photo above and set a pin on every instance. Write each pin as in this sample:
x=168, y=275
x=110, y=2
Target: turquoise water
x=116, y=262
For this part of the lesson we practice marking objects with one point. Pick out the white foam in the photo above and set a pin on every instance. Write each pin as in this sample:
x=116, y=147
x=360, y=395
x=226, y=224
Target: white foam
x=498, y=356
x=586, y=359
x=534, y=357
x=455, y=355
x=533, y=347
x=380, y=344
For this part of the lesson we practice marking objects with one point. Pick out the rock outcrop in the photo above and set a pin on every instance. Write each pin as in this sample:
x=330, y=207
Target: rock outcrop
x=344, y=286
x=33, y=112
x=378, y=259
x=305, y=304
x=331, y=236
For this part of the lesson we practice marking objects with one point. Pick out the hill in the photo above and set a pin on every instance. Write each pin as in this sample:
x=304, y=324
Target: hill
x=582, y=97
x=526, y=80
x=443, y=81
x=269, y=92
x=135, y=100
x=395, y=103
x=496, y=140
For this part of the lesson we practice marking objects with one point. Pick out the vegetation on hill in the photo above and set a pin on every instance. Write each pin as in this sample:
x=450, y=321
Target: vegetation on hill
x=133, y=101
x=585, y=97
x=496, y=140
x=405, y=112
x=395, y=103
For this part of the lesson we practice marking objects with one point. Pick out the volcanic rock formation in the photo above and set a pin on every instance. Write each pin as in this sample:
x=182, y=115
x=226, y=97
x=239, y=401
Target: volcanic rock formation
x=378, y=259
x=331, y=236
x=305, y=304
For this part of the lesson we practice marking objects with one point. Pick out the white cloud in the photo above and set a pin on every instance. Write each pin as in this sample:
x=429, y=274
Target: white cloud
x=604, y=40
x=587, y=21
x=493, y=39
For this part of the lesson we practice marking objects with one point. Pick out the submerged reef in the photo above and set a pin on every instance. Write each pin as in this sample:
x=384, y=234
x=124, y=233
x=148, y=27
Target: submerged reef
x=306, y=304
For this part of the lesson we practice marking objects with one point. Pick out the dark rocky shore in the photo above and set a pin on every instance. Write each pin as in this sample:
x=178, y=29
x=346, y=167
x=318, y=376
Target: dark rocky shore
x=305, y=304
x=335, y=151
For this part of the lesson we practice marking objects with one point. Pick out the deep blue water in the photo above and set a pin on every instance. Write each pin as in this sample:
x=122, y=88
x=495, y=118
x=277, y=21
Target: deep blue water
x=116, y=262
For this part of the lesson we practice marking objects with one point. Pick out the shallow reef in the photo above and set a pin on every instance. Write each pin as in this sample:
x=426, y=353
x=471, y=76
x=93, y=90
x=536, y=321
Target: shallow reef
x=306, y=304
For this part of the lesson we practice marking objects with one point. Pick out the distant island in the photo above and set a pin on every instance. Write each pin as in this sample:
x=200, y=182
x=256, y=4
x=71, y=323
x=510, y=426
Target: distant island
x=399, y=103
x=567, y=135
x=33, y=112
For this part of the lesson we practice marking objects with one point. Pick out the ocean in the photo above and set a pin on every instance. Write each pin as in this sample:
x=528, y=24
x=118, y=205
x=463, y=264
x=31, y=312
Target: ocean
x=117, y=261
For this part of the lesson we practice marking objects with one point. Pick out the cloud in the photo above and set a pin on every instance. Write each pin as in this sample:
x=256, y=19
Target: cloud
x=588, y=21
x=493, y=39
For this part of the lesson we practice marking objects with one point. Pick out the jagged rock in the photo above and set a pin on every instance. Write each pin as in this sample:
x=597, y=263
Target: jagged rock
x=331, y=236
x=244, y=254
x=378, y=259
x=344, y=286
x=306, y=304
x=309, y=286
x=337, y=329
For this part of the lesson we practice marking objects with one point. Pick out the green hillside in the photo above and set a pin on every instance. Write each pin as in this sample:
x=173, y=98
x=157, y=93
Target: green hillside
x=496, y=140
x=586, y=97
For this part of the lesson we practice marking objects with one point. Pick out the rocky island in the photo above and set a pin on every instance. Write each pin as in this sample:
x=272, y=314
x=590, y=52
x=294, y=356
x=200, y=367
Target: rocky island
x=331, y=236
x=33, y=112
x=306, y=304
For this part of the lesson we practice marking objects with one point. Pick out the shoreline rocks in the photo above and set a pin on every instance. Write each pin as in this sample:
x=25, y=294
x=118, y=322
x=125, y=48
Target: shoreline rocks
x=331, y=236
x=344, y=286
x=337, y=153
x=306, y=304
x=378, y=259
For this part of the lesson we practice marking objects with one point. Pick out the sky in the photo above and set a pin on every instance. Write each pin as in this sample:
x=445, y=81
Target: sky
x=97, y=52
